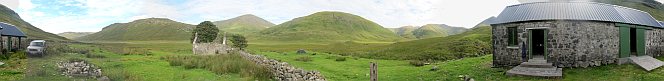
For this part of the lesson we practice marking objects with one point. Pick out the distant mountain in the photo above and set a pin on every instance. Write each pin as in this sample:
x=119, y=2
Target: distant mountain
x=150, y=29
x=473, y=41
x=72, y=35
x=428, y=31
x=9, y=16
x=406, y=32
x=485, y=22
x=655, y=8
x=245, y=24
x=327, y=27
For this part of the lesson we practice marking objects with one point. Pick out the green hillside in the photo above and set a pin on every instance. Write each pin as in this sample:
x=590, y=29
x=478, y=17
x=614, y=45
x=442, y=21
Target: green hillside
x=327, y=27
x=430, y=31
x=474, y=42
x=656, y=9
x=150, y=29
x=72, y=35
x=405, y=32
x=245, y=24
x=427, y=31
x=9, y=16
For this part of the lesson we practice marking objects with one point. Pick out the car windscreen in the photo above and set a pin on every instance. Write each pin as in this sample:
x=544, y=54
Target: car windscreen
x=37, y=44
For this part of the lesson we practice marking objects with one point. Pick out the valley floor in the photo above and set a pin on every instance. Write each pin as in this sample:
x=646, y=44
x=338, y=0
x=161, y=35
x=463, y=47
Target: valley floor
x=151, y=67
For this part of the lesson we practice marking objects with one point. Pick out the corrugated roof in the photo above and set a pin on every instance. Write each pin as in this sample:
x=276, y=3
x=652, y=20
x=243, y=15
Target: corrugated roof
x=575, y=11
x=10, y=30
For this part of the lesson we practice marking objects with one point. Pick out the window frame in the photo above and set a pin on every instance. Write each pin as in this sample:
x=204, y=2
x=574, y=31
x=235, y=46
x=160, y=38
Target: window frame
x=512, y=36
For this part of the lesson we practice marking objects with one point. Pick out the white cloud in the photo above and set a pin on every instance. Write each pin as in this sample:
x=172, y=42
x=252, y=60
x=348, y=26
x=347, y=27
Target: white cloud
x=11, y=4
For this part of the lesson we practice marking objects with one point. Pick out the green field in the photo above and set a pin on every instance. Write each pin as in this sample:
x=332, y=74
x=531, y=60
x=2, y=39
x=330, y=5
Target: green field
x=479, y=68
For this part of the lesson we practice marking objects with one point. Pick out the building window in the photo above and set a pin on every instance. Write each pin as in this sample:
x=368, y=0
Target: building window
x=512, y=36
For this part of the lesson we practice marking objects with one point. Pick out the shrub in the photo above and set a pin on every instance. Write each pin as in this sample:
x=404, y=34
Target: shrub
x=19, y=55
x=303, y=59
x=417, y=63
x=340, y=59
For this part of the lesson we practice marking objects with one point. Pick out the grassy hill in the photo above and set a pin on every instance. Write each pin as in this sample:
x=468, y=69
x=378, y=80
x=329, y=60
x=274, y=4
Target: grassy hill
x=430, y=31
x=327, y=27
x=151, y=29
x=245, y=24
x=72, y=35
x=405, y=32
x=9, y=16
x=427, y=31
x=656, y=9
x=474, y=42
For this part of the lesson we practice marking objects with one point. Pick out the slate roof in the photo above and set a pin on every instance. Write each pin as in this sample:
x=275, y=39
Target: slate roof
x=10, y=30
x=575, y=11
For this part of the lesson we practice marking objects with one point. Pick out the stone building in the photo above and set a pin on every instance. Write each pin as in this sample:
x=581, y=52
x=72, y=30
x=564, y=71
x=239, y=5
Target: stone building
x=574, y=34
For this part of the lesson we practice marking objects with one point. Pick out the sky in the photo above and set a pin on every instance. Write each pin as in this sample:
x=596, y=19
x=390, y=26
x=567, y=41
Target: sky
x=58, y=16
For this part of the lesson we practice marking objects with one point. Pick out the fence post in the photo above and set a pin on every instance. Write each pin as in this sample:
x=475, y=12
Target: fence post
x=374, y=71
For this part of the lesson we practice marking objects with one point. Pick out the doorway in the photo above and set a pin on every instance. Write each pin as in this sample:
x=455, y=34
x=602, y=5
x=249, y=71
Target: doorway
x=537, y=43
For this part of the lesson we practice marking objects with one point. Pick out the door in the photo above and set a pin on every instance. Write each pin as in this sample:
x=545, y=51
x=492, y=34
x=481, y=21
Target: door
x=537, y=43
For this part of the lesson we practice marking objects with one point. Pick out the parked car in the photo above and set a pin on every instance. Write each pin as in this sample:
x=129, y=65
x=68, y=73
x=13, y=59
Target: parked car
x=37, y=48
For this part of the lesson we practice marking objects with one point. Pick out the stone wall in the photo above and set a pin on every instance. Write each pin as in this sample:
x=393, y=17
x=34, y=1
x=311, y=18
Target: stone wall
x=283, y=71
x=655, y=42
x=209, y=48
x=569, y=43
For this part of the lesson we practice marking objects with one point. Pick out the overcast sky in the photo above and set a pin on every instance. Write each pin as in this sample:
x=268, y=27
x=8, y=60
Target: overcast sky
x=58, y=16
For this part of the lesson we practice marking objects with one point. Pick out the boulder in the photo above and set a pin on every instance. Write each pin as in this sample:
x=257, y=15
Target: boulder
x=301, y=51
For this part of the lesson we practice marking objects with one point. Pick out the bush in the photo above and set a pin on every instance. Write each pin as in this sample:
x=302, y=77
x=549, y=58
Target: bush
x=19, y=55
x=340, y=59
x=303, y=59
x=417, y=63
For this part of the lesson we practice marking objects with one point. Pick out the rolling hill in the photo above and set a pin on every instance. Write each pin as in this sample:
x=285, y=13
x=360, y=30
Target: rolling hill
x=72, y=35
x=9, y=16
x=245, y=24
x=656, y=9
x=405, y=32
x=427, y=31
x=150, y=29
x=473, y=42
x=327, y=27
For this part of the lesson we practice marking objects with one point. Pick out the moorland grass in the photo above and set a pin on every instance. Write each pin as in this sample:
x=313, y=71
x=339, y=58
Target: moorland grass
x=222, y=64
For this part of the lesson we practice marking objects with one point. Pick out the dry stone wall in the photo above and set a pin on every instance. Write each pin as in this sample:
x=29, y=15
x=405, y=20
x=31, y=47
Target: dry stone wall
x=569, y=43
x=655, y=42
x=283, y=71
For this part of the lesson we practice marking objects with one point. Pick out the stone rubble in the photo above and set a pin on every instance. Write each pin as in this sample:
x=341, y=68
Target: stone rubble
x=283, y=71
x=79, y=69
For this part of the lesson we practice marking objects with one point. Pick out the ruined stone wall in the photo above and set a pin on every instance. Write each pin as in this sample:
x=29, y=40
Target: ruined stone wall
x=655, y=42
x=283, y=71
x=209, y=48
x=569, y=43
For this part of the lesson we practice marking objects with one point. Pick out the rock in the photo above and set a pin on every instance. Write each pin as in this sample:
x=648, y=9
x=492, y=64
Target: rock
x=301, y=51
x=434, y=68
x=103, y=78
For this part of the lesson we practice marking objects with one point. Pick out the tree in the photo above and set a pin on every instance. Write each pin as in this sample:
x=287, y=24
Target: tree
x=239, y=41
x=206, y=32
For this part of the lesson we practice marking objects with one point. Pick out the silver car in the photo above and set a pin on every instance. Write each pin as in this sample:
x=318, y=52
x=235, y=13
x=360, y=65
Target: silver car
x=37, y=48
